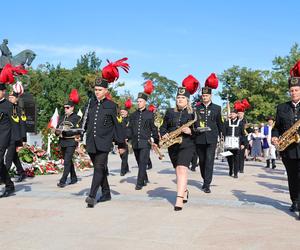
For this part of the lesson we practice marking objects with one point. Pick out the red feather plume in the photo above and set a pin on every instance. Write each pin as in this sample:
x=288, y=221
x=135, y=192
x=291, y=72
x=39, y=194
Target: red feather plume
x=128, y=103
x=74, y=96
x=8, y=72
x=151, y=108
x=111, y=72
x=191, y=84
x=295, y=70
x=239, y=106
x=212, y=81
x=246, y=103
x=148, y=87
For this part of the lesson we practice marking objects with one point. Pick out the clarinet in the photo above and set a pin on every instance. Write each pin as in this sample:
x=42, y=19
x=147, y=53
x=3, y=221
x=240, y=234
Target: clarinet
x=85, y=115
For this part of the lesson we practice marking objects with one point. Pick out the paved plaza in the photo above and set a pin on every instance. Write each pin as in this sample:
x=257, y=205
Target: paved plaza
x=250, y=212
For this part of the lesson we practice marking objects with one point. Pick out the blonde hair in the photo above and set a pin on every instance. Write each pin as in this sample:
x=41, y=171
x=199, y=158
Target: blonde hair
x=188, y=107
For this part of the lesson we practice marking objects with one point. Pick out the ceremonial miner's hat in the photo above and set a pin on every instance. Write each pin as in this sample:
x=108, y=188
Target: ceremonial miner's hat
x=189, y=86
x=294, y=80
x=148, y=89
x=211, y=82
x=74, y=98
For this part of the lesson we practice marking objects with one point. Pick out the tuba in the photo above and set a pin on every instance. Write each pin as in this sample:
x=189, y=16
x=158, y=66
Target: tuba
x=175, y=136
x=288, y=137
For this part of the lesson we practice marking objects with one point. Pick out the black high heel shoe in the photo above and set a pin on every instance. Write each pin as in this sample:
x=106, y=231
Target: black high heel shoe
x=177, y=208
x=187, y=196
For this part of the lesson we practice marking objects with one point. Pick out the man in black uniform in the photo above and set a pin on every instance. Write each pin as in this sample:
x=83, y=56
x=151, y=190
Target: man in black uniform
x=209, y=126
x=102, y=128
x=124, y=156
x=241, y=117
x=286, y=115
x=5, y=138
x=67, y=139
x=140, y=130
x=17, y=138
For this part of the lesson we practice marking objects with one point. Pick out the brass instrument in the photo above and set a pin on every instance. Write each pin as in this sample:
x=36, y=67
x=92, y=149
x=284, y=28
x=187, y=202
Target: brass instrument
x=158, y=120
x=288, y=137
x=175, y=136
x=67, y=126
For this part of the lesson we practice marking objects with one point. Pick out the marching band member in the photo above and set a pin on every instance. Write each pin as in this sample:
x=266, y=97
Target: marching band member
x=102, y=128
x=210, y=120
x=181, y=154
x=234, y=141
x=124, y=123
x=18, y=136
x=67, y=140
x=287, y=114
x=141, y=129
x=6, y=109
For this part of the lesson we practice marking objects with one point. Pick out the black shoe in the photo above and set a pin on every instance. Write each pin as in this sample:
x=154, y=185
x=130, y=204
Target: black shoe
x=21, y=177
x=7, y=192
x=230, y=173
x=241, y=171
x=177, y=208
x=149, y=167
x=193, y=169
x=207, y=190
x=293, y=207
x=73, y=182
x=103, y=198
x=187, y=196
x=235, y=176
x=138, y=187
x=61, y=185
x=90, y=202
x=274, y=166
x=122, y=174
x=203, y=186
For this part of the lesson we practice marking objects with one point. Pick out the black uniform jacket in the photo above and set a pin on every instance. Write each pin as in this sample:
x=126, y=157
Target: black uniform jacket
x=211, y=117
x=286, y=116
x=141, y=128
x=175, y=119
x=5, y=123
x=102, y=127
x=67, y=138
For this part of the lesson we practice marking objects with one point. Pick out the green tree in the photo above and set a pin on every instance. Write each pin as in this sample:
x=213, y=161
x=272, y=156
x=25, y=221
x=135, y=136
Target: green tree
x=264, y=89
x=164, y=90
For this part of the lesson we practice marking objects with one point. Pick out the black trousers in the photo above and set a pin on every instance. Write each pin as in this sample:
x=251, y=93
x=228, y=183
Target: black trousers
x=68, y=164
x=206, y=154
x=194, y=160
x=4, y=172
x=242, y=159
x=124, y=164
x=234, y=161
x=292, y=167
x=142, y=157
x=99, y=160
x=149, y=163
x=13, y=157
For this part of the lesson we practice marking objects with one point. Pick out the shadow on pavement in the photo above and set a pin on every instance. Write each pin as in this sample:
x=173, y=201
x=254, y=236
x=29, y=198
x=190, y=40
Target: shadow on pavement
x=276, y=188
x=263, y=200
x=164, y=193
x=265, y=176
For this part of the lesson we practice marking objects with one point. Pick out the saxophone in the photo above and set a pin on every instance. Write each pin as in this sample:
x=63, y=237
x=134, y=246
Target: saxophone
x=175, y=136
x=288, y=137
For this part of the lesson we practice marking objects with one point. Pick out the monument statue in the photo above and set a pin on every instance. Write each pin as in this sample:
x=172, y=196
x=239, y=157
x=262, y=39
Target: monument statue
x=25, y=57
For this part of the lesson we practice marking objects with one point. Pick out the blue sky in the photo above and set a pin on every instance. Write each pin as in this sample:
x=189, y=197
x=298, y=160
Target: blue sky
x=174, y=38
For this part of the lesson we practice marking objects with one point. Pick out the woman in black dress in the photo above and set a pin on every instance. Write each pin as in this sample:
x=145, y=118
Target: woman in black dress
x=180, y=154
